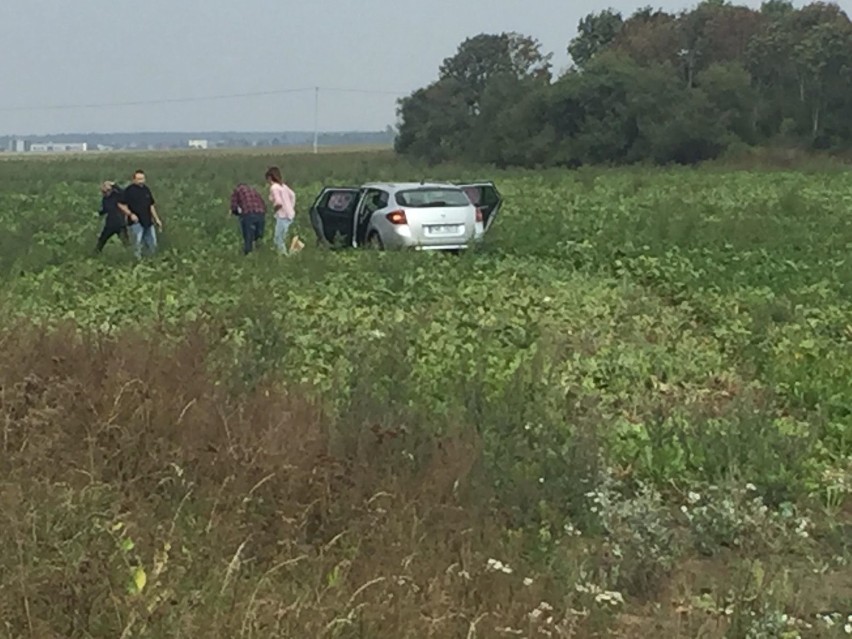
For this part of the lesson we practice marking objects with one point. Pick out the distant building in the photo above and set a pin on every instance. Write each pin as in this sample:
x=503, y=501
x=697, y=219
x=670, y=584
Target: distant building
x=20, y=146
x=197, y=144
x=58, y=147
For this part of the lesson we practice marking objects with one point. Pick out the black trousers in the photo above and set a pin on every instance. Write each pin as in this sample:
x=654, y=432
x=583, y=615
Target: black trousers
x=110, y=230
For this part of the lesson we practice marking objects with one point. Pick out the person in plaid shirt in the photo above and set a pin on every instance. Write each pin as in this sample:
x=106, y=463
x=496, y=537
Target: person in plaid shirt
x=250, y=207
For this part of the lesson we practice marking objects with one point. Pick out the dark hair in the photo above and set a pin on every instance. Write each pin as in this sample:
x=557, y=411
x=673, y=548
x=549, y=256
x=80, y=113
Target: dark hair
x=274, y=173
x=138, y=171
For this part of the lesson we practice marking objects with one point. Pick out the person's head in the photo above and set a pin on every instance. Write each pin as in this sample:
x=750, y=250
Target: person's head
x=107, y=186
x=139, y=176
x=273, y=174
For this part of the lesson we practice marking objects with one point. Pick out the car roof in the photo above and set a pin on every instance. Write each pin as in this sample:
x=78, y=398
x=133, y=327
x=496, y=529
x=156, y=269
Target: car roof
x=400, y=186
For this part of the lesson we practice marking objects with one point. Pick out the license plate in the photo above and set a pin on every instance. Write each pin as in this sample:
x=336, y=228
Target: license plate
x=443, y=229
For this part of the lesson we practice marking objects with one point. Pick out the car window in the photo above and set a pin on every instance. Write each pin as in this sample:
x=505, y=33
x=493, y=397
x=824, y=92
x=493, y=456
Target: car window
x=474, y=193
x=374, y=200
x=432, y=196
x=339, y=200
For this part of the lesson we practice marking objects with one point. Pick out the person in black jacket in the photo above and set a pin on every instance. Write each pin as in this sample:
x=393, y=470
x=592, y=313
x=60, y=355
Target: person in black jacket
x=115, y=220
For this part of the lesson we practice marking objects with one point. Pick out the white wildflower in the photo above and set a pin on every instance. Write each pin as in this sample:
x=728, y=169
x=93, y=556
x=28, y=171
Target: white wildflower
x=589, y=589
x=829, y=620
x=610, y=597
x=542, y=608
x=498, y=566
x=528, y=582
x=802, y=528
x=693, y=497
x=751, y=487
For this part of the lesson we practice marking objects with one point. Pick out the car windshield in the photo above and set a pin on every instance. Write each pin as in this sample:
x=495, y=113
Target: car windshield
x=431, y=196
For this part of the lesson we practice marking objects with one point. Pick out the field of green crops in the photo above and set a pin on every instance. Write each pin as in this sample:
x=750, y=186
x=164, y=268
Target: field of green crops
x=637, y=394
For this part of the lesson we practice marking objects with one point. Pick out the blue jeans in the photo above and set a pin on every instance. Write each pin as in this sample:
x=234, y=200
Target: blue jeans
x=282, y=225
x=251, y=225
x=142, y=235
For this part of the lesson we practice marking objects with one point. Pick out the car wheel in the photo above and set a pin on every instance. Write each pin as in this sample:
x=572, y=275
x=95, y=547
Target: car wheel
x=374, y=242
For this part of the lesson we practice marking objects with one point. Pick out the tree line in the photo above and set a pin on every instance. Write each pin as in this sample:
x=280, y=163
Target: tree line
x=655, y=86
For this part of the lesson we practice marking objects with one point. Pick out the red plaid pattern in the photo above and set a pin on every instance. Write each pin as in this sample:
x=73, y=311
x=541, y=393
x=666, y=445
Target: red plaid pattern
x=245, y=199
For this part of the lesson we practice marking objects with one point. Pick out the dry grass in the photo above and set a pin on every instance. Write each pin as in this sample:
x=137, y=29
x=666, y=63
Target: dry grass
x=259, y=516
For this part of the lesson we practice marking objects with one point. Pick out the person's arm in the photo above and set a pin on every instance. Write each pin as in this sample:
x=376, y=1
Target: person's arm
x=127, y=212
x=156, y=217
x=277, y=199
x=235, y=204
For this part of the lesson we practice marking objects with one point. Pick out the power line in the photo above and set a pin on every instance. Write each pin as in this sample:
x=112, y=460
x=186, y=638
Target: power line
x=371, y=91
x=226, y=96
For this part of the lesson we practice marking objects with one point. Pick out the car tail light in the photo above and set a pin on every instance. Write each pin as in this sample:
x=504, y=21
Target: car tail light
x=478, y=214
x=397, y=217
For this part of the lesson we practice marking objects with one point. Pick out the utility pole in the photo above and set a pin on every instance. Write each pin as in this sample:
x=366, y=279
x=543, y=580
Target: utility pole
x=316, y=120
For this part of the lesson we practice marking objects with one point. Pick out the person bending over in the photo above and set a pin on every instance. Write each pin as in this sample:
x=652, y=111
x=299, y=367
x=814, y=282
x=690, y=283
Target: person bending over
x=248, y=205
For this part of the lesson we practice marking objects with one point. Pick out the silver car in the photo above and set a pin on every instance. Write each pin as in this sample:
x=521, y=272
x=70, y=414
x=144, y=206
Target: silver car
x=405, y=215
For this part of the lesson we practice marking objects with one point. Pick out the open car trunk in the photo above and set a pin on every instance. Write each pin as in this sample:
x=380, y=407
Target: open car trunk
x=485, y=197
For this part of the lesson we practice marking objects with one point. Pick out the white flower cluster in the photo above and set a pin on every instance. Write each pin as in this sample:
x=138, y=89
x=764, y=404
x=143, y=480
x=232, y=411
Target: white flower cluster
x=601, y=596
x=543, y=609
x=830, y=620
x=802, y=528
x=494, y=565
x=838, y=479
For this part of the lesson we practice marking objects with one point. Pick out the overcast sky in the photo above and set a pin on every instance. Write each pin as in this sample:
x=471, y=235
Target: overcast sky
x=63, y=52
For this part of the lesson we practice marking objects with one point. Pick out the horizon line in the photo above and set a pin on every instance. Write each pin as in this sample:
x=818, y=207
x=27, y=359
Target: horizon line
x=200, y=131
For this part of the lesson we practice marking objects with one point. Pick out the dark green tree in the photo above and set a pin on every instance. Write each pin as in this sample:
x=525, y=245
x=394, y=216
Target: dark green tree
x=486, y=56
x=655, y=87
x=595, y=32
x=433, y=122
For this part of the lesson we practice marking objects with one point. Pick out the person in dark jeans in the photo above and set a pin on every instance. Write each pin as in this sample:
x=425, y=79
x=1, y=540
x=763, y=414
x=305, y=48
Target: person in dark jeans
x=115, y=221
x=249, y=206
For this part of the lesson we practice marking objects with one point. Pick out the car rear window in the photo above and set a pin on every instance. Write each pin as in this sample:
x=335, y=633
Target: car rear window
x=423, y=198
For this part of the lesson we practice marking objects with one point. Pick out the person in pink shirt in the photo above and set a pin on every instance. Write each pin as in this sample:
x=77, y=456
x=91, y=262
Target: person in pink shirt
x=284, y=202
